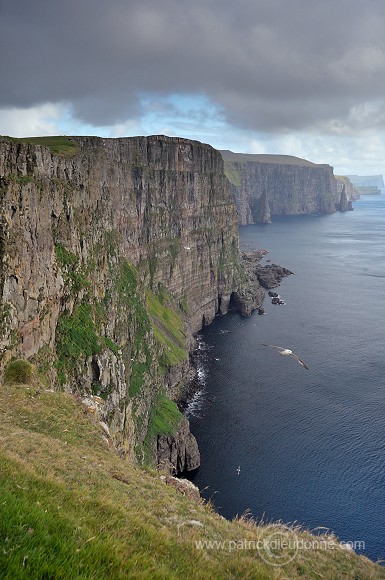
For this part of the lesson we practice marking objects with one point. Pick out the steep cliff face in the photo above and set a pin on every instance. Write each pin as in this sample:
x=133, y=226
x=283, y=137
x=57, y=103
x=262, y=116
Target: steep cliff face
x=348, y=193
x=114, y=252
x=268, y=185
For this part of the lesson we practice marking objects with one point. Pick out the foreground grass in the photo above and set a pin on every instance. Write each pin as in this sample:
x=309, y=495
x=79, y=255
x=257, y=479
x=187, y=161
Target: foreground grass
x=70, y=508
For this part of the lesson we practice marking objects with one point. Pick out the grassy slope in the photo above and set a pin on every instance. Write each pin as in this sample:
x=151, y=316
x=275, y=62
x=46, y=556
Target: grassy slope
x=70, y=508
x=266, y=158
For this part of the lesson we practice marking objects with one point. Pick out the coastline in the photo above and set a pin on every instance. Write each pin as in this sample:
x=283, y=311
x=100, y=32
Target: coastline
x=260, y=278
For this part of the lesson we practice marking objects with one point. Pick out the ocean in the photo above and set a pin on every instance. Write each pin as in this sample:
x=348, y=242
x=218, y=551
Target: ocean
x=310, y=444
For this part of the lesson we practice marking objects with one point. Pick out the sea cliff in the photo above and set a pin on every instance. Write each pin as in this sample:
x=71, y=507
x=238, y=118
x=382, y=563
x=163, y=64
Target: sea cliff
x=368, y=184
x=268, y=185
x=114, y=253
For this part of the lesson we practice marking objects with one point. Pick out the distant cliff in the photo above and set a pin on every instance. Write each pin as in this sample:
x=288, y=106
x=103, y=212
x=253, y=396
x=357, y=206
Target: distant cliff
x=268, y=185
x=114, y=252
x=348, y=192
x=368, y=184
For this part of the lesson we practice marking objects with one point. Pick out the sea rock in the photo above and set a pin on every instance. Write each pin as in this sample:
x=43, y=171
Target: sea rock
x=248, y=300
x=270, y=276
x=277, y=300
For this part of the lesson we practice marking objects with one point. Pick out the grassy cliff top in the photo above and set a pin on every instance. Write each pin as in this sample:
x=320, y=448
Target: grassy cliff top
x=71, y=508
x=59, y=144
x=69, y=145
x=266, y=158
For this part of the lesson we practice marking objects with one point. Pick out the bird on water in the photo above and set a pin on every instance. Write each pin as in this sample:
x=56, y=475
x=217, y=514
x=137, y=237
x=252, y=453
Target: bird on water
x=287, y=352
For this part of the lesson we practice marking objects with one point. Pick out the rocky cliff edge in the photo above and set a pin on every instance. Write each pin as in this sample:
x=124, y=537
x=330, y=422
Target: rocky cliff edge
x=114, y=253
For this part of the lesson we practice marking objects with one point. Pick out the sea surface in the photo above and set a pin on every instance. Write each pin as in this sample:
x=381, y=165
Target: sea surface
x=310, y=444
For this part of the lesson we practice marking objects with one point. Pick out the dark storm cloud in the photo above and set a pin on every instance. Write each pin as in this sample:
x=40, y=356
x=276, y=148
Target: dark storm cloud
x=271, y=64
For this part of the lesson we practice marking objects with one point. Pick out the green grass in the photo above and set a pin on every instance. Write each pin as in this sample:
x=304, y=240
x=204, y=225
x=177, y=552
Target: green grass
x=76, y=338
x=71, y=508
x=20, y=371
x=65, y=258
x=132, y=299
x=78, y=334
x=165, y=416
x=139, y=372
x=165, y=419
x=229, y=156
x=168, y=328
x=132, y=304
x=172, y=353
x=127, y=282
x=110, y=344
x=232, y=173
x=74, y=275
x=59, y=144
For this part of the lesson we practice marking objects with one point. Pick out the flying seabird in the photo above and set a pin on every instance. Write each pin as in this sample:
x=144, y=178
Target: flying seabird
x=239, y=470
x=287, y=352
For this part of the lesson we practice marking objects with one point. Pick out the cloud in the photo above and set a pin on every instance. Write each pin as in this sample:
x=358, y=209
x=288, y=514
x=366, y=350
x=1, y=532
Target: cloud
x=267, y=65
x=348, y=155
x=31, y=122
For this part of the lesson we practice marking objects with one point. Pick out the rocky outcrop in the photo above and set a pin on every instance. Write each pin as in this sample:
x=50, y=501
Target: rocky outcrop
x=270, y=276
x=185, y=487
x=269, y=185
x=348, y=193
x=250, y=296
x=114, y=252
x=267, y=275
x=178, y=452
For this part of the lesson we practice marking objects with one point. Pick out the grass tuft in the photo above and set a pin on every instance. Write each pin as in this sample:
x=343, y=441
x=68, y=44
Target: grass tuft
x=20, y=372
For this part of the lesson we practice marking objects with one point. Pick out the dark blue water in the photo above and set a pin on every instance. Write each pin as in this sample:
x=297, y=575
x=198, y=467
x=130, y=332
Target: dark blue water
x=310, y=444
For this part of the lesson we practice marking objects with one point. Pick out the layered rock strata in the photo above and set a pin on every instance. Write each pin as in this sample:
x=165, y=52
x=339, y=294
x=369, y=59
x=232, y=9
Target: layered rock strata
x=267, y=185
x=114, y=253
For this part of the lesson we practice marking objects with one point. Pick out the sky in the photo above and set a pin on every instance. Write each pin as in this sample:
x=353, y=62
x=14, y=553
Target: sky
x=294, y=77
